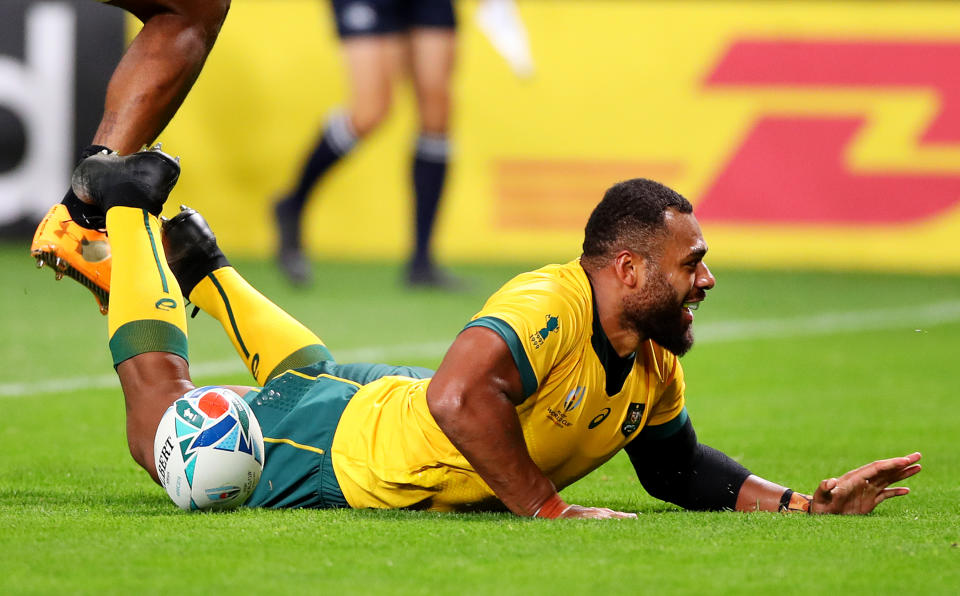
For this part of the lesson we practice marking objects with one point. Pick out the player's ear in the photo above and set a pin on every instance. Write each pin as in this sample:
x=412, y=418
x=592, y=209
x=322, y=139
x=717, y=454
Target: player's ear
x=630, y=268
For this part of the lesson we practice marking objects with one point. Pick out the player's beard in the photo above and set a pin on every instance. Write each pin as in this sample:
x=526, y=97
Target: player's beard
x=657, y=313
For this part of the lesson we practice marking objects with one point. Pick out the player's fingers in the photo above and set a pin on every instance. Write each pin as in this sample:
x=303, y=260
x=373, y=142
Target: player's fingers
x=882, y=465
x=910, y=471
x=826, y=486
x=594, y=513
x=866, y=469
x=913, y=457
x=606, y=513
x=896, y=463
x=888, y=477
x=891, y=476
x=886, y=493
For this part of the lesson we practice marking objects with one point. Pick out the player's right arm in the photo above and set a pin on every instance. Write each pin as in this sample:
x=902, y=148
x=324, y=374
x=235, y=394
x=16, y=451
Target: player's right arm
x=473, y=398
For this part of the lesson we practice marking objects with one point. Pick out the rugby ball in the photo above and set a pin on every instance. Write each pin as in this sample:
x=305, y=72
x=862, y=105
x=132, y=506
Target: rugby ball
x=209, y=450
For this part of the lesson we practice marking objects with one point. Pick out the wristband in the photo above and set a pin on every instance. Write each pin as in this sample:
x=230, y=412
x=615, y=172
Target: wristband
x=791, y=502
x=552, y=508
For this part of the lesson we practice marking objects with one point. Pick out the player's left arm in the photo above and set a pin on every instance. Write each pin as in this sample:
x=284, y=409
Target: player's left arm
x=675, y=467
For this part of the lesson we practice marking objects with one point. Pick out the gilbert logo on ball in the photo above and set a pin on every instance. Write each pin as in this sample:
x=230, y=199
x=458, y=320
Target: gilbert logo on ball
x=209, y=450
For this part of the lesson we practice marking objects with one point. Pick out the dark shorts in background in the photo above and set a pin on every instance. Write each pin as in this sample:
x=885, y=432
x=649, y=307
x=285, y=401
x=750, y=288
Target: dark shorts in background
x=380, y=17
x=298, y=412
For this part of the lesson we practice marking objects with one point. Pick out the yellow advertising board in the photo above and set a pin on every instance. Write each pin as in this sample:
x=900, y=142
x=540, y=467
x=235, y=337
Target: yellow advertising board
x=814, y=134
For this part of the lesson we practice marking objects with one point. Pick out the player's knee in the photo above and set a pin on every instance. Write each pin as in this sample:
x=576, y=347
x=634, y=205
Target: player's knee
x=203, y=19
x=208, y=18
x=434, y=111
x=216, y=14
x=367, y=116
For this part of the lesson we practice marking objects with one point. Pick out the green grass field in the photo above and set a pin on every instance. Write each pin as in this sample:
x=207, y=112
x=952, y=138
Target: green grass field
x=800, y=376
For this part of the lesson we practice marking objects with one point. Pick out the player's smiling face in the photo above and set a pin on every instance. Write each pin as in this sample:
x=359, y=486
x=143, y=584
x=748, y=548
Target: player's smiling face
x=675, y=284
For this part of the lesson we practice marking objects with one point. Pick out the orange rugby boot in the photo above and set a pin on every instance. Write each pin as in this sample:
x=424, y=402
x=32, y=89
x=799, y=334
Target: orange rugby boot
x=74, y=251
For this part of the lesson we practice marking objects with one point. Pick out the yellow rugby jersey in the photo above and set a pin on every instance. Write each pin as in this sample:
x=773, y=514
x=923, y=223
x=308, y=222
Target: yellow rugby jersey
x=583, y=403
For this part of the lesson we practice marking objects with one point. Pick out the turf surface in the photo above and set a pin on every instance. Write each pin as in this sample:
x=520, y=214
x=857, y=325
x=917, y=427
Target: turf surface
x=798, y=375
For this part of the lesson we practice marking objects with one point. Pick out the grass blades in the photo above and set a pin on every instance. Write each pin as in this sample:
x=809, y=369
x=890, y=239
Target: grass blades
x=792, y=393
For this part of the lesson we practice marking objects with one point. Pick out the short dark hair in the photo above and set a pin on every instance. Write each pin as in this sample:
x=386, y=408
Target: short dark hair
x=630, y=215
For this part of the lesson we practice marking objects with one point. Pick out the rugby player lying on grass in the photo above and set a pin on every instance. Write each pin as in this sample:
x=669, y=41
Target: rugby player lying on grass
x=562, y=368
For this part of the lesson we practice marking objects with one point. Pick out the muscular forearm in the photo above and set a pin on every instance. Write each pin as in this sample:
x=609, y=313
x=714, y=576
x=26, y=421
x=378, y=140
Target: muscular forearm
x=492, y=441
x=473, y=397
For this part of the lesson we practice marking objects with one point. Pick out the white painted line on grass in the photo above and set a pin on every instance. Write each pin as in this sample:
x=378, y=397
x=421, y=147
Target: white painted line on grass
x=910, y=318
x=221, y=367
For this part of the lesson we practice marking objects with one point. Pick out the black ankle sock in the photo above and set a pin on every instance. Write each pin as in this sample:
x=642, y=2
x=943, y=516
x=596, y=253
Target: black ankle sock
x=429, y=175
x=337, y=140
x=87, y=216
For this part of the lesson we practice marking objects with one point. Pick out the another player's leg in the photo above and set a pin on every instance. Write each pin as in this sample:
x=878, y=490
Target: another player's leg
x=337, y=139
x=152, y=78
x=147, y=321
x=373, y=61
x=432, y=52
x=145, y=90
x=158, y=68
x=268, y=339
x=66, y=243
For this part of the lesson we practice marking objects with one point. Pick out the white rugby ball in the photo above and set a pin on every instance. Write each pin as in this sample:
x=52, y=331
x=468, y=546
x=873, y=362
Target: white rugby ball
x=209, y=450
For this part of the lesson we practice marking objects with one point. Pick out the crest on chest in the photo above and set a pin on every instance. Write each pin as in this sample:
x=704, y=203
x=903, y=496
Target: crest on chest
x=632, y=420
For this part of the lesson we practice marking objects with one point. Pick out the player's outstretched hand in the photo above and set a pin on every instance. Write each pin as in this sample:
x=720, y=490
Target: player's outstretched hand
x=577, y=511
x=859, y=491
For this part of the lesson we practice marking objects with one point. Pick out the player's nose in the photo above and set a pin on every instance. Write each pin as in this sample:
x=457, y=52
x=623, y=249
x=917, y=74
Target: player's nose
x=705, y=279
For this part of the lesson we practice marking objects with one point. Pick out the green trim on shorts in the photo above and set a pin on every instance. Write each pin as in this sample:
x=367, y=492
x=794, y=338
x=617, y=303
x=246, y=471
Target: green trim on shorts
x=147, y=335
x=527, y=377
x=305, y=356
x=667, y=429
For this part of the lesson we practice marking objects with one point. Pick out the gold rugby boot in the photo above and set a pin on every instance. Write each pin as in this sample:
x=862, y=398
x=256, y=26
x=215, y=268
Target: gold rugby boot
x=72, y=250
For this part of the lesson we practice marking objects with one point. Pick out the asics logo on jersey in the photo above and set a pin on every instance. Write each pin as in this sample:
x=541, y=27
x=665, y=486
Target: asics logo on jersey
x=599, y=418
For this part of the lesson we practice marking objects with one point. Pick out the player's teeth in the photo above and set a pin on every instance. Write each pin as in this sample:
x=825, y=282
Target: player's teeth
x=39, y=263
x=692, y=305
